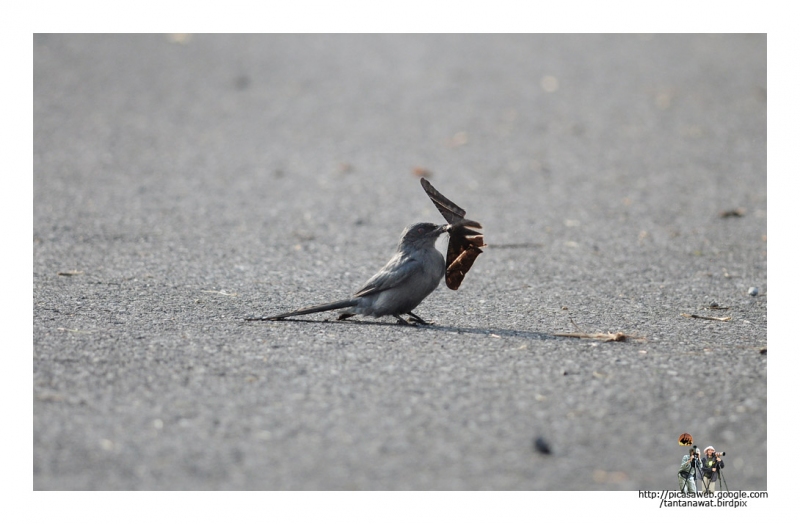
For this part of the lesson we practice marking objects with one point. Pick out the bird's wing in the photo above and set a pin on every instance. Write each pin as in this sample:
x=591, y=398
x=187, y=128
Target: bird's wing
x=394, y=273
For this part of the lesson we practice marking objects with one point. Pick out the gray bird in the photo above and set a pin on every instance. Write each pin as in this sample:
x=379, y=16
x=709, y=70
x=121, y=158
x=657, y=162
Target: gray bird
x=412, y=274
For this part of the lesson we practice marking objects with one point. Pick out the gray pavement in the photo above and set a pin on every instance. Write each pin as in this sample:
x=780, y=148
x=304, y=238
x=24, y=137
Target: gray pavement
x=184, y=183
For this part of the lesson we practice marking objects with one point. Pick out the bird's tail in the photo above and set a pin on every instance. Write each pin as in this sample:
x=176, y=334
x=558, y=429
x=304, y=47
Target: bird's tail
x=311, y=309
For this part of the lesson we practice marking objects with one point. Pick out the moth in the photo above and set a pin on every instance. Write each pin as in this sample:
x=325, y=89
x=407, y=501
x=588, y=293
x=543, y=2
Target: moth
x=465, y=244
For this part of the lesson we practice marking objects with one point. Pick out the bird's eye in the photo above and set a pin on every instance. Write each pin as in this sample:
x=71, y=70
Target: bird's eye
x=420, y=230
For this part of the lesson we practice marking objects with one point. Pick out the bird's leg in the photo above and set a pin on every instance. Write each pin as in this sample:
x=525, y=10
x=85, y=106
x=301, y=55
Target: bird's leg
x=401, y=320
x=417, y=319
x=345, y=316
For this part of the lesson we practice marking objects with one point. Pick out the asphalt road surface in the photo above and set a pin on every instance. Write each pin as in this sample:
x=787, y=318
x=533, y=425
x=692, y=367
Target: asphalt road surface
x=185, y=182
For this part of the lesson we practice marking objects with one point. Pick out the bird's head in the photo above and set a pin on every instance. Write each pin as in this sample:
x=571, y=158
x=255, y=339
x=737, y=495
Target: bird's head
x=422, y=233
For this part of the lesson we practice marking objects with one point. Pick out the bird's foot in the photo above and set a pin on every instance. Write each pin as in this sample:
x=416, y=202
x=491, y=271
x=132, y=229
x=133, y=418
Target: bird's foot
x=419, y=320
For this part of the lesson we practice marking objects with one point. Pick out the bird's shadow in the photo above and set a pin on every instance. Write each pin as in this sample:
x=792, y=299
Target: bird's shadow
x=501, y=332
